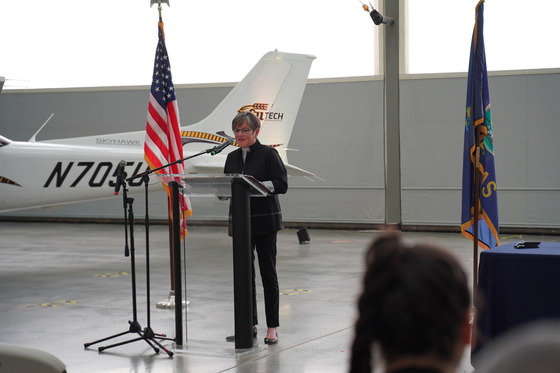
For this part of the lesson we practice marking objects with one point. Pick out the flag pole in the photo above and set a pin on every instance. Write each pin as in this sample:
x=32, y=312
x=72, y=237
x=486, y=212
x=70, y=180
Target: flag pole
x=476, y=204
x=476, y=209
x=479, y=213
x=170, y=302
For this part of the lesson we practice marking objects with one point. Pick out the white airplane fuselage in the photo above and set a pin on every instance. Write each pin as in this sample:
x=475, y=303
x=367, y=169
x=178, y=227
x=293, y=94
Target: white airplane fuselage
x=53, y=174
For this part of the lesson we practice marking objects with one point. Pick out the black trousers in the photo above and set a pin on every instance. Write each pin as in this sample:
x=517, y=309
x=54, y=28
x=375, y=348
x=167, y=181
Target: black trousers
x=265, y=247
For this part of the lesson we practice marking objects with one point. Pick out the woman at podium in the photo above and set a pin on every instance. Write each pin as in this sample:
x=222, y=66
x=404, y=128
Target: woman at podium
x=264, y=164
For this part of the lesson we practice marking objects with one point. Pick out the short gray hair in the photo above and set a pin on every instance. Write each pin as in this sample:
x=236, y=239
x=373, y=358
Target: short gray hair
x=251, y=119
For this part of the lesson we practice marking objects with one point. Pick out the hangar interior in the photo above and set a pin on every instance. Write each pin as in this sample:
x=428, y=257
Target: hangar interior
x=48, y=276
x=66, y=284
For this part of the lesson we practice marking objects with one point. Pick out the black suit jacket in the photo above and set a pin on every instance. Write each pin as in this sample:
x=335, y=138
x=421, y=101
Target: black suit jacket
x=264, y=164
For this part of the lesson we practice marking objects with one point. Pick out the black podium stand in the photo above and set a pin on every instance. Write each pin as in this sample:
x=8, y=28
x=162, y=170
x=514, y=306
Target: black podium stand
x=240, y=188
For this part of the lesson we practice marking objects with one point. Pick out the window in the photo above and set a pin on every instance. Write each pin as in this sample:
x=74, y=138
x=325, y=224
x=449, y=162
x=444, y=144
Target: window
x=518, y=34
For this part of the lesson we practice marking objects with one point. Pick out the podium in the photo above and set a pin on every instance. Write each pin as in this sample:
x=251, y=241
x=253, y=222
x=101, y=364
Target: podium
x=240, y=188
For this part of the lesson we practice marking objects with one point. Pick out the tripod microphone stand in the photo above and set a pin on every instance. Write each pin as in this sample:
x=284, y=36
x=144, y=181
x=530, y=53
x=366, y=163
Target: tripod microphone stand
x=134, y=326
x=146, y=334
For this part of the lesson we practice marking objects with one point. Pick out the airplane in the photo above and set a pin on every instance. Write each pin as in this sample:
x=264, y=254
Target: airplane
x=57, y=172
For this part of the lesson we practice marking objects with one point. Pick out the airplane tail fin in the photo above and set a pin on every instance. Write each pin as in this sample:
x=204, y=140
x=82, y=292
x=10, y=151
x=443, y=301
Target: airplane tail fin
x=272, y=90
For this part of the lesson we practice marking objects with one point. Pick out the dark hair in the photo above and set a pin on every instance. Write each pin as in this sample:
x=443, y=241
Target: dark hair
x=251, y=119
x=414, y=302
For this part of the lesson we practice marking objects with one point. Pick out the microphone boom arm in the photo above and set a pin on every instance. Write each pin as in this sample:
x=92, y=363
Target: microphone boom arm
x=215, y=150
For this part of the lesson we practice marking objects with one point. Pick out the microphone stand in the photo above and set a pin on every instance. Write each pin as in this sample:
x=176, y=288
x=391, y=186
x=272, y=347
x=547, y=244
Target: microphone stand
x=134, y=326
x=148, y=333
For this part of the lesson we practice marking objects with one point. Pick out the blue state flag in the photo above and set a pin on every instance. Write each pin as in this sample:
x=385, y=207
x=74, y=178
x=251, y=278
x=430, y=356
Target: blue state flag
x=480, y=197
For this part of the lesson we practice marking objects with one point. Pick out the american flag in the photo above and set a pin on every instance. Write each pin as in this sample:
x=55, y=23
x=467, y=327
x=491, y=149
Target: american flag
x=163, y=138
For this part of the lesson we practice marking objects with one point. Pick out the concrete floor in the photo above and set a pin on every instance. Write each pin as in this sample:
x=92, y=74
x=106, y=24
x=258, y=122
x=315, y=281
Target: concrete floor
x=63, y=285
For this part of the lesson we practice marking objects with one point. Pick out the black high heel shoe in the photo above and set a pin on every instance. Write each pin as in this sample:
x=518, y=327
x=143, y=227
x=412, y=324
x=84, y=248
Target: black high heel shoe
x=271, y=341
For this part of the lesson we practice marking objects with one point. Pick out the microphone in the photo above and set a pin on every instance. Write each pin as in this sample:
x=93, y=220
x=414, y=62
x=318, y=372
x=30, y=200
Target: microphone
x=120, y=172
x=222, y=146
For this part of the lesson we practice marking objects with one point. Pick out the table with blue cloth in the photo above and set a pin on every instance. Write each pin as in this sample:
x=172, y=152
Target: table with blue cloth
x=516, y=286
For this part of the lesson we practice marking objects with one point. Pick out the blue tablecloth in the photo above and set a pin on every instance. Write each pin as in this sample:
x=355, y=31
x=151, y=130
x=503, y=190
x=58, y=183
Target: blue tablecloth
x=516, y=286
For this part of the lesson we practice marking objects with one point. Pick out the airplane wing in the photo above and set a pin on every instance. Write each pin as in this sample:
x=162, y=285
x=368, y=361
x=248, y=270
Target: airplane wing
x=216, y=166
